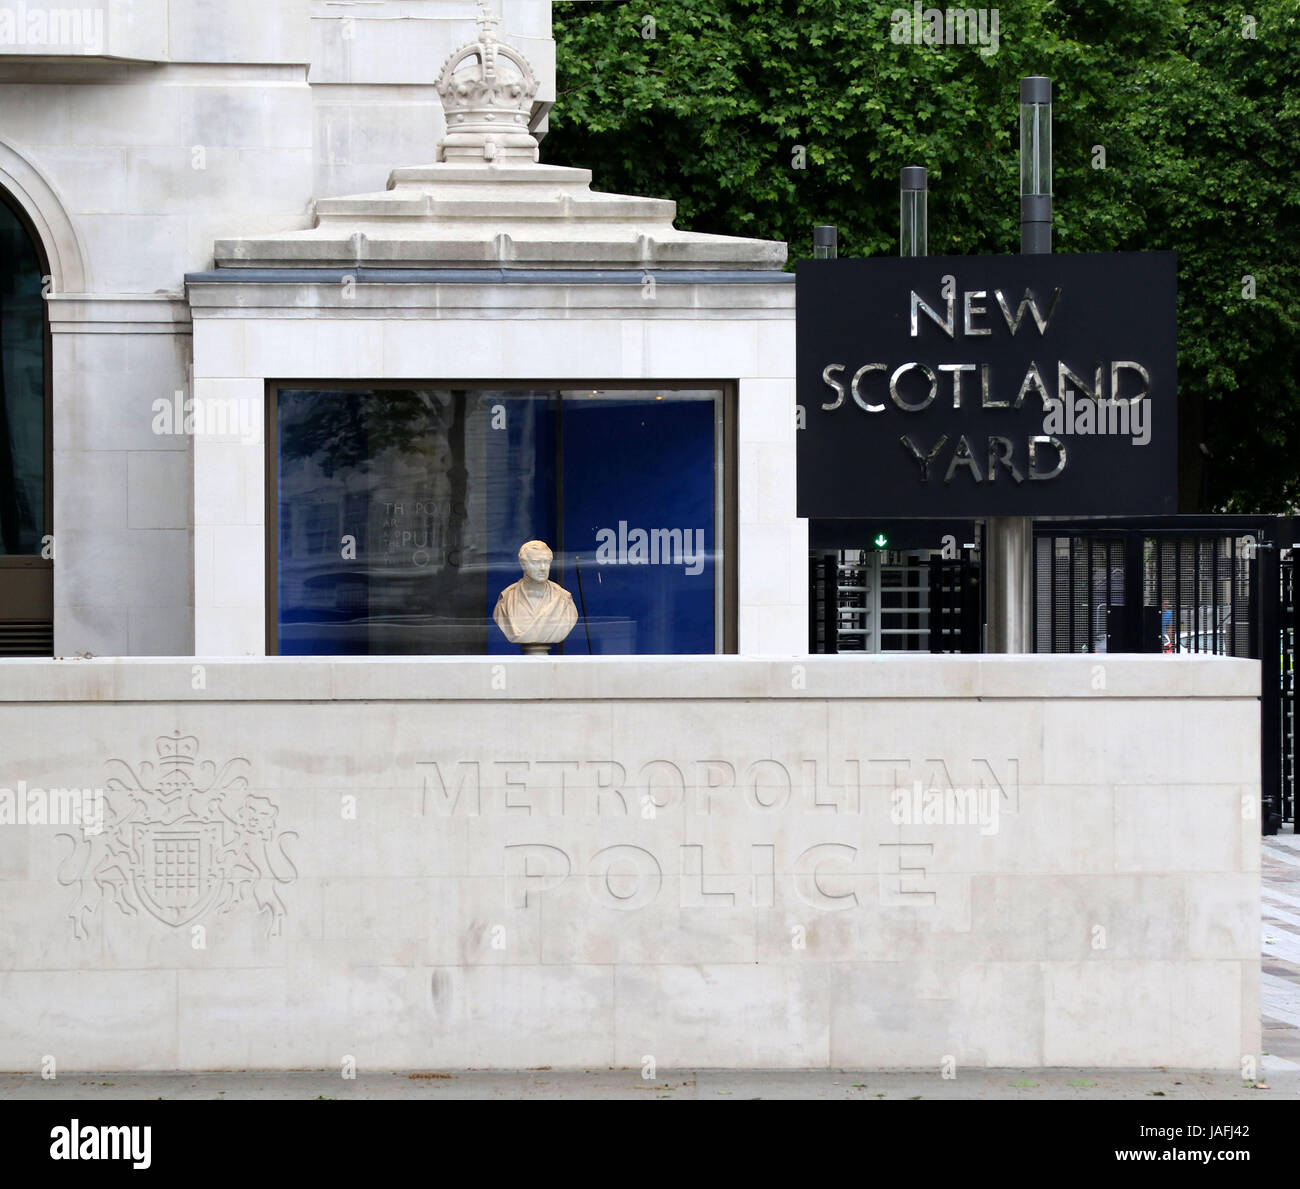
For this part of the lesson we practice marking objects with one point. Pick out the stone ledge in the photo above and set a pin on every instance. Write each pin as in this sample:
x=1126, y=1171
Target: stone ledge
x=516, y=212
x=119, y=313
x=421, y=294
x=658, y=678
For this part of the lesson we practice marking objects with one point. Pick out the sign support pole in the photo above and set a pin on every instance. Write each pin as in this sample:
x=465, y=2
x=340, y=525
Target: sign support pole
x=1009, y=540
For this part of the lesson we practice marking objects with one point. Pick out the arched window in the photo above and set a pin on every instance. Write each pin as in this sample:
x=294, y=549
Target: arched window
x=25, y=576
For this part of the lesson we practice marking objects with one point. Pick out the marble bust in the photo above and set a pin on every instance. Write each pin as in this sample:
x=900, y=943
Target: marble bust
x=535, y=612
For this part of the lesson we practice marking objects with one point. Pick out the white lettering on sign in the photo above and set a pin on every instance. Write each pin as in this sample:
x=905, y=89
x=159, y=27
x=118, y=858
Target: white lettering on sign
x=913, y=387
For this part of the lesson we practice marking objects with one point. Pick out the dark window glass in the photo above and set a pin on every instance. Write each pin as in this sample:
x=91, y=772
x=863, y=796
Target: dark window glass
x=22, y=391
x=401, y=513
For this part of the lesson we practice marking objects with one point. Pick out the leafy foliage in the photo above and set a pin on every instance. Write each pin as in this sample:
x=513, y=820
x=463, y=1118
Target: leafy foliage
x=1199, y=124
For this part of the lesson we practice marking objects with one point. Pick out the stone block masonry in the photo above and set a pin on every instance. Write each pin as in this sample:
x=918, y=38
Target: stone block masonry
x=712, y=862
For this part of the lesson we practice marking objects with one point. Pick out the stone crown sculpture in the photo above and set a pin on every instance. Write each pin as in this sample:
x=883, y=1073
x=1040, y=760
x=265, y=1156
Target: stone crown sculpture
x=487, y=90
x=488, y=202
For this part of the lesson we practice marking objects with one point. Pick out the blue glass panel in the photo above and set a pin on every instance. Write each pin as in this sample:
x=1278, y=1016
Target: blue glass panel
x=639, y=518
x=401, y=513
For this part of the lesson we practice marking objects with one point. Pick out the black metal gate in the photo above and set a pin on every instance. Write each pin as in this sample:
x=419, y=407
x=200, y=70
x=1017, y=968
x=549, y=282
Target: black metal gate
x=1078, y=579
x=1219, y=584
x=1222, y=585
x=1142, y=590
x=893, y=602
x=955, y=619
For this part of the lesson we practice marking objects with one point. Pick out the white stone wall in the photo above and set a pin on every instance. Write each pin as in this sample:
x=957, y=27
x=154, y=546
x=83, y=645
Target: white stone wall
x=458, y=866
x=126, y=30
x=122, y=493
x=193, y=121
x=245, y=335
x=130, y=172
x=373, y=71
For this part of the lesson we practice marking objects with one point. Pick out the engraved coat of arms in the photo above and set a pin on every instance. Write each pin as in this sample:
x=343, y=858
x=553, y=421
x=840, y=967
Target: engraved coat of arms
x=180, y=837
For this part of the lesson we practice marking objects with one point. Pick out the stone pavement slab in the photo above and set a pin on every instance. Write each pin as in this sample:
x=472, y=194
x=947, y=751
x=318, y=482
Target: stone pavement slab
x=1280, y=949
x=673, y=1085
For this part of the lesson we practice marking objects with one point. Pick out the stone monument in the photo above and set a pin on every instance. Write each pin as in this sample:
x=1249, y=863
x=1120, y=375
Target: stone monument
x=487, y=90
x=535, y=612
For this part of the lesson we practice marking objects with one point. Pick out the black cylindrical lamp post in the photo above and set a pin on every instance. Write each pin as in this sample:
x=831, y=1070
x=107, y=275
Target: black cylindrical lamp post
x=1035, y=164
x=825, y=241
x=913, y=212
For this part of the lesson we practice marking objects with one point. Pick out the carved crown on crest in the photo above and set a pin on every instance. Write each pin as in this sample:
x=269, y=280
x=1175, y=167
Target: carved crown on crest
x=177, y=749
x=487, y=91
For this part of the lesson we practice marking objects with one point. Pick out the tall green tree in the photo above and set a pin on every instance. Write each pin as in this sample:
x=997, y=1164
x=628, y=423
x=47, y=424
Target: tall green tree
x=1176, y=128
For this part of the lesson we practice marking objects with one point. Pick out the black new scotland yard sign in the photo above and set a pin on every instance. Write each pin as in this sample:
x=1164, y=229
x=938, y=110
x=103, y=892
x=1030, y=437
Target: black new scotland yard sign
x=987, y=386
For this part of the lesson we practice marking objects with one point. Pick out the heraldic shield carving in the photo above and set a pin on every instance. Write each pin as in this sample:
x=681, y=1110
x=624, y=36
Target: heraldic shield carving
x=180, y=838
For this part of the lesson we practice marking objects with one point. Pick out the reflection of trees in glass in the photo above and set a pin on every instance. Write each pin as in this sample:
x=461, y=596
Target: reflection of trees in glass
x=365, y=432
x=344, y=430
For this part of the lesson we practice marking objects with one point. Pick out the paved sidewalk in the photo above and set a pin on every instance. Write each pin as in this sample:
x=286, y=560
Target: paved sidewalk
x=1280, y=1078
x=1280, y=946
x=680, y=1085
